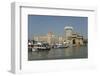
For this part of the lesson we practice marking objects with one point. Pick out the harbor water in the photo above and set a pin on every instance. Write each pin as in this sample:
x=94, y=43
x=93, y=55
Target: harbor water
x=61, y=53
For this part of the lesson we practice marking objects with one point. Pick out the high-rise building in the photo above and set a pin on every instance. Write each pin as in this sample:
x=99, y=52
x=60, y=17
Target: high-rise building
x=68, y=32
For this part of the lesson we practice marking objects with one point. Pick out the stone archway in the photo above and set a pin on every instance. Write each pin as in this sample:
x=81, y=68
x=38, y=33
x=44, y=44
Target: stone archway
x=73, y=41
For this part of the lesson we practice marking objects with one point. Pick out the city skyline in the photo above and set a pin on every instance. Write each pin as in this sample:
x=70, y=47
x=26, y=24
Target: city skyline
x=41, y=25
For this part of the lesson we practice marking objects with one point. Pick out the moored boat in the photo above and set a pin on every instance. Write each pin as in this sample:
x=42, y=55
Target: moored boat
x=59, y=46
x=40, y=46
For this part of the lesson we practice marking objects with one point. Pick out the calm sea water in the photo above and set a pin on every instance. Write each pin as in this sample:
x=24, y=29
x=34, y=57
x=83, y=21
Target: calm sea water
x=64, y=53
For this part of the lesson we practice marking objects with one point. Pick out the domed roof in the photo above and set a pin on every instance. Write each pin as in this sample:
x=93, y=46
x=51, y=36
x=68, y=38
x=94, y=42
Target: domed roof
x=68, y=27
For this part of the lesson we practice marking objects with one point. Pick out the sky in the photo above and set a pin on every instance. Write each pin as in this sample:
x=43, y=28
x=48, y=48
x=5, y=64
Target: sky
x=42, y=24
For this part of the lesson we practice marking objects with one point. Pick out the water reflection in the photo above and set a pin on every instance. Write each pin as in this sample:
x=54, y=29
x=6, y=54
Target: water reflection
x=65, y=53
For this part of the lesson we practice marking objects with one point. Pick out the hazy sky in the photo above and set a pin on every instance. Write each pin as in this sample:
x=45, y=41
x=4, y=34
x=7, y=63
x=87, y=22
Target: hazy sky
x=41, y=25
